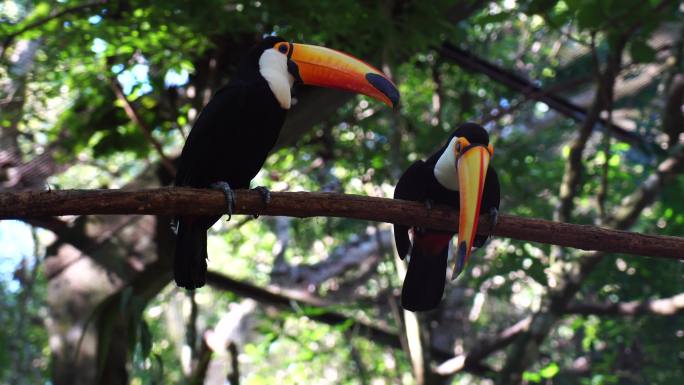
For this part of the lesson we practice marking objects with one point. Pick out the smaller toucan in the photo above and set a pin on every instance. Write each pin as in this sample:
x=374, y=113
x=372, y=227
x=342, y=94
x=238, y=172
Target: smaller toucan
x=458, y=175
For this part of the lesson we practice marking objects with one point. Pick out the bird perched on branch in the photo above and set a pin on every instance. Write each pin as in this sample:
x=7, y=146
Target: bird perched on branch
x=458, y=175
x=236, y=130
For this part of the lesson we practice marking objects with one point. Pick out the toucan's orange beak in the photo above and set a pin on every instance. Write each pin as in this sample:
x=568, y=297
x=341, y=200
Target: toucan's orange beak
x=325, y=67
x=472, y=169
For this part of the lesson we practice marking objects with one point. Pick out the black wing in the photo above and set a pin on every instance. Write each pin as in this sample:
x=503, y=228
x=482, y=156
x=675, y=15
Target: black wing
x=411, y=186
x=220, y=113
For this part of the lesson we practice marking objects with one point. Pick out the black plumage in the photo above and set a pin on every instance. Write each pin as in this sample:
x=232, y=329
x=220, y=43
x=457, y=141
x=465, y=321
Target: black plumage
x=229, y=142
x=238, y=128
x=426, y=275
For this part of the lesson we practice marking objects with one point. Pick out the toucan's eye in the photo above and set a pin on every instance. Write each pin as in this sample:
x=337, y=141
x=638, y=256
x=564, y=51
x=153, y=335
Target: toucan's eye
x=461, y=143
x=283, y=48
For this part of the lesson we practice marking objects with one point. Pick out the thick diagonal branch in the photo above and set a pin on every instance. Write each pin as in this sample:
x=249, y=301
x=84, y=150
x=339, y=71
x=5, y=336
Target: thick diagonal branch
x=483, y=349
x=471, y=62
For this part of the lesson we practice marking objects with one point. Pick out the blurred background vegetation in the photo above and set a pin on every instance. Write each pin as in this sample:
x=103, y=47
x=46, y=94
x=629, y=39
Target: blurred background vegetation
x=583, y=100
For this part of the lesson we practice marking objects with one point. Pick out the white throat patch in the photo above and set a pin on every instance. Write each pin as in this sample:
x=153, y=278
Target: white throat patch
x=273, y=67
x=445, y=168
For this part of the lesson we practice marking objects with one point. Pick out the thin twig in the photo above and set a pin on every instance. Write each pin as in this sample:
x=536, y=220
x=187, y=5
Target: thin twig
x=438, y=95
x=135, y=118
x=533, y=95
x=607, y=97
x=664, y=306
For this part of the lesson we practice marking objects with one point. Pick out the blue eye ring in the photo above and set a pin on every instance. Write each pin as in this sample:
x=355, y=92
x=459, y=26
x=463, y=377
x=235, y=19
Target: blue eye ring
x=283, y=48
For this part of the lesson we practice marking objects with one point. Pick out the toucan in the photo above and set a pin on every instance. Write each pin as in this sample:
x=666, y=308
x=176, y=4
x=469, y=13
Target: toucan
x=458, y=175
x=235, y=131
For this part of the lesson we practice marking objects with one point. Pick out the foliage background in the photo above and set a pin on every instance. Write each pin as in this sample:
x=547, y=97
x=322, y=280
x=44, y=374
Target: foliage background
x=101, y=95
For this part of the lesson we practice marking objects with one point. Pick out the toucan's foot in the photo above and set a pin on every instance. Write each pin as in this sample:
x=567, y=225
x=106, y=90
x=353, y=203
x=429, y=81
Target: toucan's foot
x=265, y=198
x=493, y=219
x=174, y=226
x=228, y=193
x=481, y=240
x=428, y=204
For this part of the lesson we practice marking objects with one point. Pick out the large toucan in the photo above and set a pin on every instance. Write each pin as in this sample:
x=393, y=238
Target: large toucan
x=457, y=175
x=236, y=130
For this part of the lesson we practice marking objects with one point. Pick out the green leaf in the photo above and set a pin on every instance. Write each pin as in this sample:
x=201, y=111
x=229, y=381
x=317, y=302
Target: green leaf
x=550, y=370
x=641, y=52
x=40, y=11
x=493, y=18
x=157, y=369
x=537, y=270
x=104, y=340
x=589, y=16
x=531, y=377
x=540, y=6
x=344, y=326
x=135, y=322
x=312, y=311
x=126, y=295
x=145, y=339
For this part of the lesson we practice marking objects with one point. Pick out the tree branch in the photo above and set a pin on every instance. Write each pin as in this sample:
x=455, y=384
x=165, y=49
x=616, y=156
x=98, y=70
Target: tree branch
x=517, y=104
x=187, y=201
x=561, y=296
x=573, y=167
x=483, y=349
x=664, y=306
x=673, y=117
x=526, y=348
x=471, y=62
x=285, y=298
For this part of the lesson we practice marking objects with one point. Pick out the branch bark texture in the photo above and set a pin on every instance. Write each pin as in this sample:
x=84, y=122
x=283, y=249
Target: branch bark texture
x=186, y=201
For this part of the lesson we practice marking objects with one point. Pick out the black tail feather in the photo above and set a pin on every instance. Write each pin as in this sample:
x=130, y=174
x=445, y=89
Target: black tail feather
x=425, y=280
x=190, y=259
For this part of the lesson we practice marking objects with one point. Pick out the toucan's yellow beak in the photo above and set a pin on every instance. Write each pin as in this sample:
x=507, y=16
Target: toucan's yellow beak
x=472, y=169
x=325, y=67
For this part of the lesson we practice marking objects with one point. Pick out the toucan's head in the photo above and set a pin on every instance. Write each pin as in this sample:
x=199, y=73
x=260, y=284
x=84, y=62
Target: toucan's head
x=283, y=63
x=462, y=166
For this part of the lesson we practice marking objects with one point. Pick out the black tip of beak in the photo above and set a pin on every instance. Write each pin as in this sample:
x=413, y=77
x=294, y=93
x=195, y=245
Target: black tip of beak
x=460, y=260
x=385, y=86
